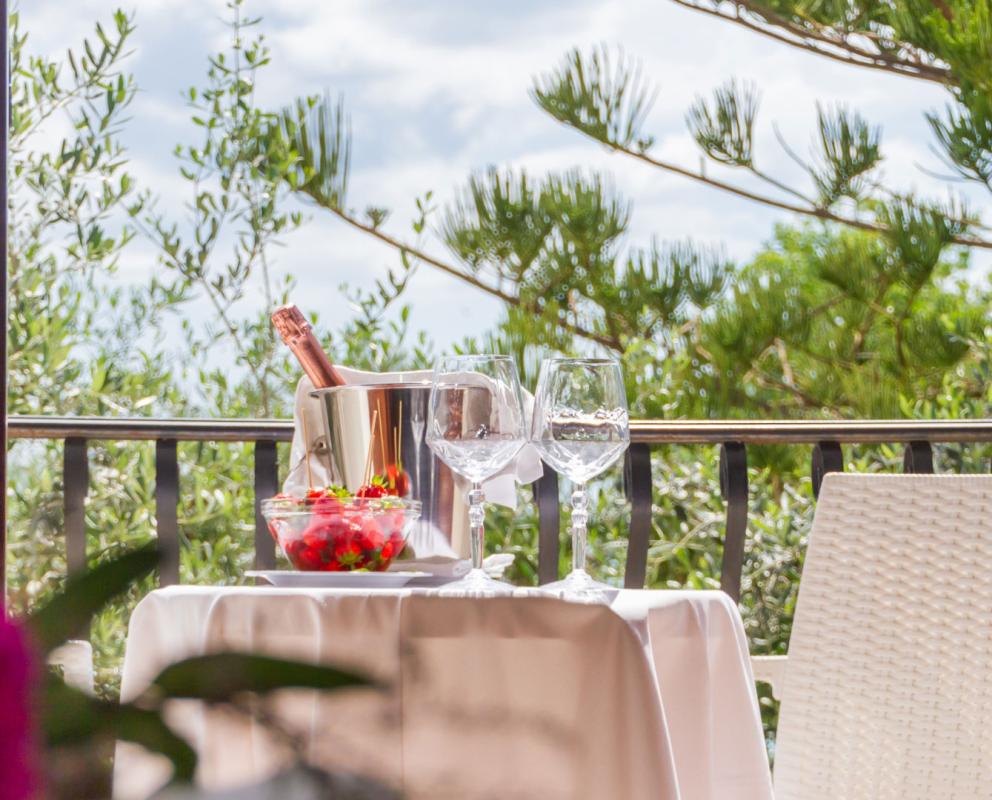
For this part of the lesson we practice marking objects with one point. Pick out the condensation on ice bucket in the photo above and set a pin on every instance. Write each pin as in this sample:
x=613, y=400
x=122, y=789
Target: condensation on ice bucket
x=399, y=413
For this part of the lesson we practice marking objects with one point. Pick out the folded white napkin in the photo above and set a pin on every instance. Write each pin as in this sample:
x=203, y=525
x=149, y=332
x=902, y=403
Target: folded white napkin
x=442, y=567
x=500, y=489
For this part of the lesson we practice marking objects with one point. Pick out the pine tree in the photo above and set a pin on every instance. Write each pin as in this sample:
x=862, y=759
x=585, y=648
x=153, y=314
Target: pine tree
x=855, y=313
x=849, y=321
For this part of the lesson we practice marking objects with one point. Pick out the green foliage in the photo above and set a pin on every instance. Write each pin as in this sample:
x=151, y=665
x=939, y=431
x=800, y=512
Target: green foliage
x=725, y=131
x=842, y=323
x=551, y=248
x=559, y=240
x=224, y=254
x=82, y=344
x=584, y=93
x=851, y=150
x=64, y=239
x=826, y=320
x=604, y=96
x=865, y=312
x=73, y=721
x=316, y=147
x=965, y=134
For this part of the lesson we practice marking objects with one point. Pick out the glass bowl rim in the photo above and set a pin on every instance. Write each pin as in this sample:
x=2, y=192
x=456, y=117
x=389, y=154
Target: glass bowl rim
x=304, y=505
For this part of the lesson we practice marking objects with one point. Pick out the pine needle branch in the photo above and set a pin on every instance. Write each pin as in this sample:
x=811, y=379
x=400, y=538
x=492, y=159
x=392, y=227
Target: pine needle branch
x=455, y=272
x=782, y=187
x=312, y=137
x=574, y=98
x=824, y=214
x=822, y=40
x=546, y=100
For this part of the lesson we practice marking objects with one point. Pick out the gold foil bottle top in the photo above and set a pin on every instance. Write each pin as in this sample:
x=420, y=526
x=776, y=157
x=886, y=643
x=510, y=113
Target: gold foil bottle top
x=290, y=323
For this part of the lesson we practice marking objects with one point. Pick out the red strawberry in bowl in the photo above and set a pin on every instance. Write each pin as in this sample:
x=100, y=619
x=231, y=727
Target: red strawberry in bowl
x=397, y=481
x=348, y=553
x=326, y=505
x=375, y=488
x=309, y=558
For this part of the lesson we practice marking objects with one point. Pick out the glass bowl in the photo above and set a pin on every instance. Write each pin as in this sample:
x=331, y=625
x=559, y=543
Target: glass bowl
x=340, y=534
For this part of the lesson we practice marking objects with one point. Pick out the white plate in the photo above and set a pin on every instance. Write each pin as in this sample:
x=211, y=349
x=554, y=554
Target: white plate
x=292, y=579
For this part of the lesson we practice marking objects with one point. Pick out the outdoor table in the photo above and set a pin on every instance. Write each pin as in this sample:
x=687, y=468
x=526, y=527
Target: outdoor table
x=523, y=697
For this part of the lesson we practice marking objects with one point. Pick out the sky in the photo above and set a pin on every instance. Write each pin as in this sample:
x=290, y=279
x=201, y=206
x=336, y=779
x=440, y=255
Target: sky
x=439, y=89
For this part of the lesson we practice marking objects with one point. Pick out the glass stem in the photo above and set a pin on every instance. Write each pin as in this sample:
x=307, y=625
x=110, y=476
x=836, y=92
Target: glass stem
x=476, y=519
x=579, y=517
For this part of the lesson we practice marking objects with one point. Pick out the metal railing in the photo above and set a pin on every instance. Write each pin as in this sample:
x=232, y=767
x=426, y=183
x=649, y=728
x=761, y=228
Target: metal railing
x=733, y=438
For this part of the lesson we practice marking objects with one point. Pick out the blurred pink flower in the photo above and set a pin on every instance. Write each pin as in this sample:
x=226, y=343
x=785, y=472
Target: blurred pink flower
x=17, y=754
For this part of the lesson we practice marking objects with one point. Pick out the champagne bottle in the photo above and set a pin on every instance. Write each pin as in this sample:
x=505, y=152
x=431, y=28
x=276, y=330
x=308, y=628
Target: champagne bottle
x=297, y=333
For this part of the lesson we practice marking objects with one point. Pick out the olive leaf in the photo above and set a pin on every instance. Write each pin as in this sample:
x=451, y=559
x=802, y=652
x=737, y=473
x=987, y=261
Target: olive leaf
x=72, y=718
x=219, y=677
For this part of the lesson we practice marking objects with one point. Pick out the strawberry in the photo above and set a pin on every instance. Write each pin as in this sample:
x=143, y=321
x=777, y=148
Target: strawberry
x=386, y=553
x=291, y=548
x=328, y=491
x=371, y=491
x=325, y=505
x=315, y=537
x=397, y=481
x=305, y=558
x=349, y=554
x=397, y=541
x=371, y=536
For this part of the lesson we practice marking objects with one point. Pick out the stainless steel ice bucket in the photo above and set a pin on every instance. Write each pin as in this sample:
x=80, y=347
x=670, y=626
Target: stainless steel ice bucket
x=374, y=427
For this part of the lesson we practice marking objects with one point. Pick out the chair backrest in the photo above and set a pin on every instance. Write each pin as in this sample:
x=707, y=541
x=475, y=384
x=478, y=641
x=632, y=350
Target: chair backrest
x=888, y=690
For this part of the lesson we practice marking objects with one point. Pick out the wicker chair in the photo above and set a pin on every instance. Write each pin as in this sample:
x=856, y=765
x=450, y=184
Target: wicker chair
x=887, y=694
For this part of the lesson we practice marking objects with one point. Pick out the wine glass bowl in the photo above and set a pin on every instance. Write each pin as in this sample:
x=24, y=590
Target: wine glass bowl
x=466, y=432
x=475, y=424
x=581, y=426
x=581, y=445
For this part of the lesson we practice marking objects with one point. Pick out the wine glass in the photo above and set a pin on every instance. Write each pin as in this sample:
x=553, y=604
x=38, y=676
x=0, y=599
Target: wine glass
x=476, y=425
x=580, y=427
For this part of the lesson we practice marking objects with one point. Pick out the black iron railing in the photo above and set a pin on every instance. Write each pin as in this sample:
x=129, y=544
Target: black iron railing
x=733, y=438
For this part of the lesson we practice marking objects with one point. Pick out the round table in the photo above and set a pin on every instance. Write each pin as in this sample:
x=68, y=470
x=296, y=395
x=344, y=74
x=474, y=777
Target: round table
x=652, y=697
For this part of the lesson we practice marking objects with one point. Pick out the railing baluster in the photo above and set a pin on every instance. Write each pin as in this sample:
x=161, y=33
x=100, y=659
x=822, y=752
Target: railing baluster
x=167, y=509
x=549, y=526
x=918, y=458
x=75, y=481
x=637, y=474
x=827, y=457
x=734, y=488
x=266, y=485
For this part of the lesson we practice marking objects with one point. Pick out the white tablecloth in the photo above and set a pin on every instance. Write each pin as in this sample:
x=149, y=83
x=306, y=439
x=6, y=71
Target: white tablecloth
x=506, y=698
